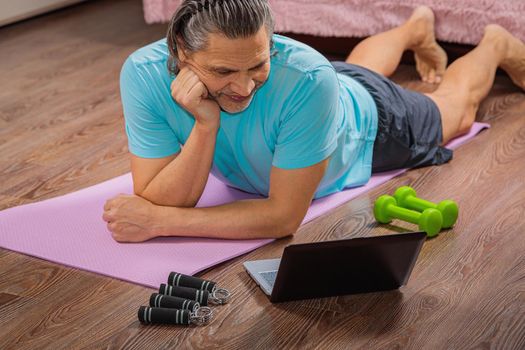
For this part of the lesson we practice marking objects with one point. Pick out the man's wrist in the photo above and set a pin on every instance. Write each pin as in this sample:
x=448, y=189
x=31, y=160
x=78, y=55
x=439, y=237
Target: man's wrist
x=163, y=221
x=158, y=222
x=208, y=127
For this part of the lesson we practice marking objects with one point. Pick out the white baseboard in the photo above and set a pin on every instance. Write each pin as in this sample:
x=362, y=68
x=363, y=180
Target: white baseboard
x=16, y=10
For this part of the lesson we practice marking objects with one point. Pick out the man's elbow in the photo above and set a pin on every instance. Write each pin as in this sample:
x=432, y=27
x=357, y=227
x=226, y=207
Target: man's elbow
x=146, y=197
x=140, y=192
x=137, y=192
x=288, y=226
x=163, y=201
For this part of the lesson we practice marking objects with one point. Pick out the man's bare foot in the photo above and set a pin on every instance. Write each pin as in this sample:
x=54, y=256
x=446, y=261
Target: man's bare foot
x=431, y=59
x=513, y=61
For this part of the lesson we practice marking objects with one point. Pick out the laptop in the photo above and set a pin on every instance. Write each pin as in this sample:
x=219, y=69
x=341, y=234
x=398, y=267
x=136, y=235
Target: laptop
x=330, y=268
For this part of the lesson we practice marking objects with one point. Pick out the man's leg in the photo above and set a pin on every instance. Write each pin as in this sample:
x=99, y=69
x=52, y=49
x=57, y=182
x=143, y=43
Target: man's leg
x=381, y=53
x=469, y=79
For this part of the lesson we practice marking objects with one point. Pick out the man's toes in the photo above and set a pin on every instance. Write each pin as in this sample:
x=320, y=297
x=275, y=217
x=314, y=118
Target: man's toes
x=419, y=70
x=425, y=74
x=440, y=71
x=432, y=76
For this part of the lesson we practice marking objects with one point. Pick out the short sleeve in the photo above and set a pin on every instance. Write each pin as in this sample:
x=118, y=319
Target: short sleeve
x=149, y=134
x=307, y=132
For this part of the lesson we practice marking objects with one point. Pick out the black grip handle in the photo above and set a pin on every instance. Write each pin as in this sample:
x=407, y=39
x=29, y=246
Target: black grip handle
x=156, y=315
x=200, y=296
x=159, y=300
x=179, y=279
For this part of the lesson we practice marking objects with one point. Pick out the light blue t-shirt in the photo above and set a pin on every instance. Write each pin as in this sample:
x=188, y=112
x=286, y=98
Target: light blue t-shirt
x=304, y=113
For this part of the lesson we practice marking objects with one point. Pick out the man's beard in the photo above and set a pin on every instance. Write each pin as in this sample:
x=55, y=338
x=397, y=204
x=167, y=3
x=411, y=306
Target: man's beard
x=247, y=102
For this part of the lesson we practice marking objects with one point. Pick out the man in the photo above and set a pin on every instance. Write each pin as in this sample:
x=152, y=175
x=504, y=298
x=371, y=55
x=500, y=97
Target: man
x=269, y=115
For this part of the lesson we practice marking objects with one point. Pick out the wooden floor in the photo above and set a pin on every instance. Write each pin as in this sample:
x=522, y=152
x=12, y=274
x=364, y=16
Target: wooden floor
x=61, y=129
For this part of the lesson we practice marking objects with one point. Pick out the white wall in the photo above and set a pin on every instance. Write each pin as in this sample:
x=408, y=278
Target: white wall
x=16, y=10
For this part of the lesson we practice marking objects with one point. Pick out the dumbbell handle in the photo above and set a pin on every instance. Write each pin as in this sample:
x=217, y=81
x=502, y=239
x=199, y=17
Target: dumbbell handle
x=407, y=198
x=419, y=204
x=404, y=214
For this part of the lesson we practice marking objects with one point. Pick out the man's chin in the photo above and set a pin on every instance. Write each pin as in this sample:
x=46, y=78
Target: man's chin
x=232, y=108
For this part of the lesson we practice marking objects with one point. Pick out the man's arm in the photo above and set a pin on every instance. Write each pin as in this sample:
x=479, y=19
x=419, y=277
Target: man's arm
x=178, y=180
x=279, y=215
x=134, y=219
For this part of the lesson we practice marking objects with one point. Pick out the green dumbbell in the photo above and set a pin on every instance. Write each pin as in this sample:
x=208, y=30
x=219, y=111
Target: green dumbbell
x=386, y=209
x=406, y=197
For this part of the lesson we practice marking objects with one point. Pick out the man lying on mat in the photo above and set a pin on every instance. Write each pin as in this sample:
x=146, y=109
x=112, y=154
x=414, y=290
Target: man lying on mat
x=271, y=116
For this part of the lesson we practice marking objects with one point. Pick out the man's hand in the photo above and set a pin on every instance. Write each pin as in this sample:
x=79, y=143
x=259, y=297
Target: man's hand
x=191, y=93
x=130, y=218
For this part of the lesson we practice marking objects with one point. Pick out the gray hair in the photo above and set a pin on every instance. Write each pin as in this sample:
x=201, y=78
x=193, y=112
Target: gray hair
x=194, y=20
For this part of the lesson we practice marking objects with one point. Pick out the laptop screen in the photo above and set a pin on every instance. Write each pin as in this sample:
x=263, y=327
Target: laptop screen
x=348, y=266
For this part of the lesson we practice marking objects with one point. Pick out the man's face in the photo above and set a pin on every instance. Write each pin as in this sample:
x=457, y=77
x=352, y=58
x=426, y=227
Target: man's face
x=232, y=69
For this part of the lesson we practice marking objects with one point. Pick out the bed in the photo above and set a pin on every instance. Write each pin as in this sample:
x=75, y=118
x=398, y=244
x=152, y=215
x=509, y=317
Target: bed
x=456, y=21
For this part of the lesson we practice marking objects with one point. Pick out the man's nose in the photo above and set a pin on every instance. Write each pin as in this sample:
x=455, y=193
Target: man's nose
x=243, y=85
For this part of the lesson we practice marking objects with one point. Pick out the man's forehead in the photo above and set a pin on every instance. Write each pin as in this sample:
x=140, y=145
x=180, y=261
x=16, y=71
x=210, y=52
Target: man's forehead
x=235, y=65
x=221, y=47
x=223, y=52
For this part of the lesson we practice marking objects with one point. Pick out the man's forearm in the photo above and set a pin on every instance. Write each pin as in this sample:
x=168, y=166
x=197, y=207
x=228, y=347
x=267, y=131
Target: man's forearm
x=247, y=219
x=182, y=181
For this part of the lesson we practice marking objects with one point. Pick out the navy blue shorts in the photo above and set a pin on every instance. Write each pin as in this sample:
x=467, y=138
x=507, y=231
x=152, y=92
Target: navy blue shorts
x=409, y=131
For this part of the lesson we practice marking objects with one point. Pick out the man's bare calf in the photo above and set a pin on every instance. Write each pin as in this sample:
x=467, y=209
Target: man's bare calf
x=469, y=79
x=382, y=53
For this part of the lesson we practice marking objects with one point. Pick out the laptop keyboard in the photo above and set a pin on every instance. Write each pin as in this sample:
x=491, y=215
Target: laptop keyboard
x=269, y=276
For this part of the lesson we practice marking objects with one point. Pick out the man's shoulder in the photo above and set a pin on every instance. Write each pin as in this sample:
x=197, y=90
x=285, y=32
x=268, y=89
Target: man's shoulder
x=292, y=55
x=146, y=70
x=154, y=53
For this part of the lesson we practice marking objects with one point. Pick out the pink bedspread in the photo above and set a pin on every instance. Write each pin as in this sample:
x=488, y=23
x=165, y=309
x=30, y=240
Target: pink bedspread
x=456, y=21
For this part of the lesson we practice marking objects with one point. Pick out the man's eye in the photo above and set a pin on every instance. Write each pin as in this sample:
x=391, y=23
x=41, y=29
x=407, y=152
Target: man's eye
x=224, y=72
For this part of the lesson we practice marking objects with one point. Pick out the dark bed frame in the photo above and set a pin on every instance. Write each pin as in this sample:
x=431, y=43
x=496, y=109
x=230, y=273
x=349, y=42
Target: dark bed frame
x=336, y=48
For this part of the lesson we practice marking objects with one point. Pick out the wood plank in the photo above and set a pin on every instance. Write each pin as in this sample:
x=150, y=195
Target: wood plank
x=61, y=130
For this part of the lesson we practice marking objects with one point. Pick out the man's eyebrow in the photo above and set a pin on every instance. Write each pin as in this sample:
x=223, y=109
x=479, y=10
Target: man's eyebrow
x=220, y=68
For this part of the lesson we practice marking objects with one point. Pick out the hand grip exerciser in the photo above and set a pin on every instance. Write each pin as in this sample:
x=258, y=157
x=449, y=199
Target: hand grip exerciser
x=218, y=295
x=166, y=301
x=157, y=315
x=183, y=301
x=201, y=296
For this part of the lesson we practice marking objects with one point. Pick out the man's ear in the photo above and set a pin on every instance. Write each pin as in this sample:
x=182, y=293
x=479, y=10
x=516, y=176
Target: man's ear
x=181, y=51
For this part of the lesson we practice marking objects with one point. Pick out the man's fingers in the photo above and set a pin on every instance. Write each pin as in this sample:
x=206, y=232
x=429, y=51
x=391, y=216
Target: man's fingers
x=182, y=78
x=189, y=84
x=182, y=91
x=111, y=202
x=186, y=78
x=205, y=91
x=199, y=90
x=106, y=217
x=179, y=81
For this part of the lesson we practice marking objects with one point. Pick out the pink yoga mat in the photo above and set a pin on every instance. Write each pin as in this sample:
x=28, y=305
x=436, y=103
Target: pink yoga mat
x=69, y=230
